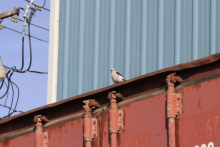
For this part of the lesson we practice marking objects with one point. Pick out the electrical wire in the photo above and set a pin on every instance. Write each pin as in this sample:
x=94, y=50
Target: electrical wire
x=17, y=97
x=12, y=98
x=10, y=86
x=6, y=89
x=24, y=71
x=35, y=5
x=44, y=3
x=30, y=50
x=2, y=82
x=6, y=97
x=33, y=24
x=11, y=111
x=22, y=53
x=11, y=108
x=25, y=34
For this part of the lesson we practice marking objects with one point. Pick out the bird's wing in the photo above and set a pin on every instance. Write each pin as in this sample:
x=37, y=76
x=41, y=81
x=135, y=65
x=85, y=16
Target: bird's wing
x=119, y=74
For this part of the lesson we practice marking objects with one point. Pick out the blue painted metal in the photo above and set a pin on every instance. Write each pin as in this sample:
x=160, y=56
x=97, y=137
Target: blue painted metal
x=160, y=34
x=81, y=47
x=143, y=36
x=66, y=52
x=112, y=37
x=133, y=36
x=96, y=46
x=177, y=32
x=195, y=29
x=213, y=27
x=127, y=38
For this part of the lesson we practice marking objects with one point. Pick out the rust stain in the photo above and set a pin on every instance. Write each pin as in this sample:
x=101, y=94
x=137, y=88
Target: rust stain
x=96, y=141
x=127, y=105
x=197, y=86
x=119, y=139
x=208, y=129
x=199, y=104
x=216, y=125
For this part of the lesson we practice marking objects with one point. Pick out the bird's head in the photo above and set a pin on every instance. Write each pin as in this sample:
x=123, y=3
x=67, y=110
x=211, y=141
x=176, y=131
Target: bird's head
x=112, y=69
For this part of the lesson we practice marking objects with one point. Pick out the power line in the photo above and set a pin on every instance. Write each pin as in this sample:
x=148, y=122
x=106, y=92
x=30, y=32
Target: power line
x=37, y=26
x=26, y=34
x=24, y=71
x=35, y=5
x=33, y=24
x=10, y=108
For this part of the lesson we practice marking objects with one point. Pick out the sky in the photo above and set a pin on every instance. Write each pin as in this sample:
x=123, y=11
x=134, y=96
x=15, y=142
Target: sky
x=32, y=86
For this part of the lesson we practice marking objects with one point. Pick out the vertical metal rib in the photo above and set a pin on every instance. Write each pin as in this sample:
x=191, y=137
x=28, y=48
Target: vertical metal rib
x=127, y=37
x=213, y=27
x=143, y=36
x=177, y=33
x=81, y=36
x=66, y=51
x=96, y=48
x=195, y=28
x=112, y=35
x=160, y=34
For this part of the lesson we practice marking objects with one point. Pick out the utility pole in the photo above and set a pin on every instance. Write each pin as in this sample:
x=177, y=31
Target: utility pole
x=9, y=13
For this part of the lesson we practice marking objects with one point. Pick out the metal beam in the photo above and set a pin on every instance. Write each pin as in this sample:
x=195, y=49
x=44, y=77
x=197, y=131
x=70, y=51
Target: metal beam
x=9, y=13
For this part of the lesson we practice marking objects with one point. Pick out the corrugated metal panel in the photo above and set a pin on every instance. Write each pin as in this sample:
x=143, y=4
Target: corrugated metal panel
x=133, y=36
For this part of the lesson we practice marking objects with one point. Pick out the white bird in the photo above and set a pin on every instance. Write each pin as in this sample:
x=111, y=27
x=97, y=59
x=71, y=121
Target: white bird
x=116, y=77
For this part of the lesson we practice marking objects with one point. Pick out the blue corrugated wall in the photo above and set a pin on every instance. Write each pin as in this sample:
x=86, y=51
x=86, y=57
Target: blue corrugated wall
x=133, y=36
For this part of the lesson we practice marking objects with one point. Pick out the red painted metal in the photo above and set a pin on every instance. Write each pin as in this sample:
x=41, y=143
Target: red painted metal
x=172, y=133
x=116, y=118
x=40, y=135
x=90, y=124
x=174, y=106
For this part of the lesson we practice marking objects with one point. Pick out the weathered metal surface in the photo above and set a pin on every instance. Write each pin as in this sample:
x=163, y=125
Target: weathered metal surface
x=145, y=119
x=9, y=13
x=67, y=134
x=199, y=123
x=145, y=122
x=174, y=106
x=26, y=140
x=90, y=124
x=172, y=132
x=115, y=118
x=41, y=137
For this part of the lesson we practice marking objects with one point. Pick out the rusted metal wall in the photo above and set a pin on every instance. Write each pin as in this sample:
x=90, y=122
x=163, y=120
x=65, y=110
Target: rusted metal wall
x=145, y=122
x=145, y=116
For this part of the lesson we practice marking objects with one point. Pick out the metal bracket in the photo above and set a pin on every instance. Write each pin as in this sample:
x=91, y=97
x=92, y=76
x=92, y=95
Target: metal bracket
x=15, y=19
x=1, y=27
x=174, y=98
x=174, y=104
x=90, y=124
x=46, y=142
x=31, y=15
x=116, y=123
x=40, y=136
x=39, y=7
x=90, y=128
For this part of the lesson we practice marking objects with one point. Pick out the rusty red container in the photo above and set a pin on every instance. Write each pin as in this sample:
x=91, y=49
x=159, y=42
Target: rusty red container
x=145, y=120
